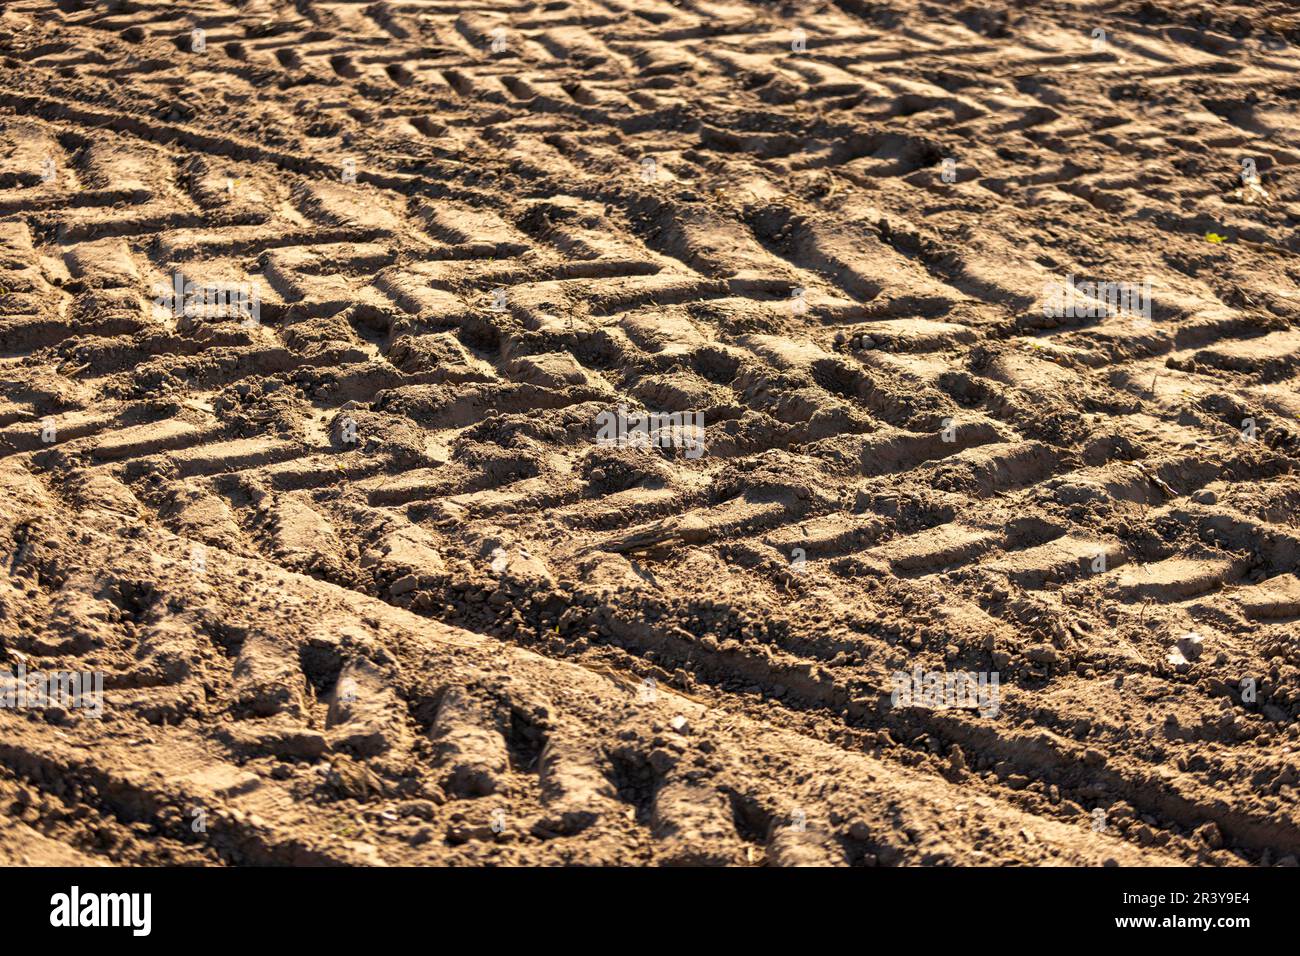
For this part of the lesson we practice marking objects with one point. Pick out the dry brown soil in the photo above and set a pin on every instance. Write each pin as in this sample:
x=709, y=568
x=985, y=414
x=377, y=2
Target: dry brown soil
x=473, y=635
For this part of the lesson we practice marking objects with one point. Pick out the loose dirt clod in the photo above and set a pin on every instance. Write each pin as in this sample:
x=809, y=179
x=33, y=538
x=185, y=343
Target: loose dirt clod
x=686, y=433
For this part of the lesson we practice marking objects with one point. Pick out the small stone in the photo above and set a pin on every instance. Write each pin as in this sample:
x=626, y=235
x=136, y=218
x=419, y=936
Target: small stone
x=680, y=724
x=1205, y=497
x=1191, y=646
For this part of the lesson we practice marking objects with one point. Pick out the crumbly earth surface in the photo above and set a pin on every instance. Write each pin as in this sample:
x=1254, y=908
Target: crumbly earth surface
x=364, y=588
